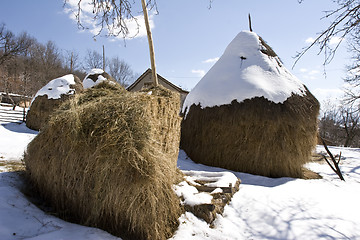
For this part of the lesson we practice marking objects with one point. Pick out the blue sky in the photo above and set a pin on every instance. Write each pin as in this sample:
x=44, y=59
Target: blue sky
x=188, y=35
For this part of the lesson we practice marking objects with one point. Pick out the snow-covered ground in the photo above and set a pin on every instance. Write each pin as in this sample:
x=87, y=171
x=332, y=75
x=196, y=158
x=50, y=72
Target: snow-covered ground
x=264, y=208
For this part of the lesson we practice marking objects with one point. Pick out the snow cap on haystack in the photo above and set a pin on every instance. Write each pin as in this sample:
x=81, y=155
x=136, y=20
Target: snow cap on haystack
x=248, y=68
x=250, y=114
x=57, y=87
x=96, y=76
x=49, y=98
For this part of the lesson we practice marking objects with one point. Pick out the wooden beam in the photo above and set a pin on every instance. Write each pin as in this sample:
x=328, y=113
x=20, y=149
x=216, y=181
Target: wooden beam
x=151, y=44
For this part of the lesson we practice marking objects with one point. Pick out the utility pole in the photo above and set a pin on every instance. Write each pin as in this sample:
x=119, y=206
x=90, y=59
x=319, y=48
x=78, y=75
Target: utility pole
x=151, y=45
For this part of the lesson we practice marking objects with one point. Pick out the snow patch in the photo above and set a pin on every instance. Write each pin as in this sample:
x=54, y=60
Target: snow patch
x=191, y=195
x=215, y=179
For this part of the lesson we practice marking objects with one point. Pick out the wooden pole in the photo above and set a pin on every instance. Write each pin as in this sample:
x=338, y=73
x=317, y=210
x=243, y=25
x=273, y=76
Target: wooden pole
x=250, y=28
x=103, y=58
x=151, y=44
x=71, y=62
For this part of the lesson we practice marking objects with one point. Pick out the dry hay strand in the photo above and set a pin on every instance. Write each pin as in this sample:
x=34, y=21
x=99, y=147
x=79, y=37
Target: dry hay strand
x=108, y=158
x=42, y=107
x=255, y=136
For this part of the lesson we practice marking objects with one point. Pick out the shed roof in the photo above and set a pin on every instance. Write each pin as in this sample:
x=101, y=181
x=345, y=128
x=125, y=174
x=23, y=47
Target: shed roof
x=148, y=71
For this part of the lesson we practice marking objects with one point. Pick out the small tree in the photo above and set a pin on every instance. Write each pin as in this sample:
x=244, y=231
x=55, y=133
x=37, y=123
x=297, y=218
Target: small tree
x=121, y=71
x=349, y=121
x=71, y=60
x=93, y=59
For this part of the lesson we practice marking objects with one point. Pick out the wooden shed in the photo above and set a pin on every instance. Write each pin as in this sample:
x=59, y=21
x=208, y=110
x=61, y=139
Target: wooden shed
x=145, y=81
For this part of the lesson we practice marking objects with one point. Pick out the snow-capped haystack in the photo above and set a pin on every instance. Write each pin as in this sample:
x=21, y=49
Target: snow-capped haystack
x=49, y=98
x=250, y=114
x=96, y=76
x=108, y=159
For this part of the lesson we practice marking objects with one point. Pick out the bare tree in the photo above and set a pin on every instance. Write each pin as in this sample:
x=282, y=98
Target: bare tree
x=10, y=45
x=71, y=60
x=121, y=71
x=114, y=16
x=340, y=125
x=346, y=22
x=93, y=59
x=350, y=122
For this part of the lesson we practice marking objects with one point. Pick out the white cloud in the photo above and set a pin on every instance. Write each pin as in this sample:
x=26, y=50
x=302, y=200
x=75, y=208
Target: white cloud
x=335, y=41
x=309, y=40
x=211, y=60
x=198, y=72
x=314, y=72
x=309, y=74
x=136, y=27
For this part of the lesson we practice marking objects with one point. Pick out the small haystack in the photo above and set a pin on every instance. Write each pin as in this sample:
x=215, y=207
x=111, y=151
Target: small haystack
x=249, y=114
x=96, y=76
x=108, y=159
x=49, y=98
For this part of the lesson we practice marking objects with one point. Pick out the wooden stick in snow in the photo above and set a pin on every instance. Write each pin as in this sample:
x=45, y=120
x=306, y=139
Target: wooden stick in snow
x=336, y=169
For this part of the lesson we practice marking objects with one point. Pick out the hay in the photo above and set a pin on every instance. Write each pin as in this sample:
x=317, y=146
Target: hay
x=255, y=136
x=42, y=107
x=108, y=158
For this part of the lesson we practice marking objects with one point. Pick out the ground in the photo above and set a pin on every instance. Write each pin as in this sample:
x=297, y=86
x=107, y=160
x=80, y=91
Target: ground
x=264, y=208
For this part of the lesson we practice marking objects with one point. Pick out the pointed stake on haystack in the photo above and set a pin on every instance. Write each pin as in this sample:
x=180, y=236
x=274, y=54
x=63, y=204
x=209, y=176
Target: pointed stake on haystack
x=151, y=45
x=250, y=28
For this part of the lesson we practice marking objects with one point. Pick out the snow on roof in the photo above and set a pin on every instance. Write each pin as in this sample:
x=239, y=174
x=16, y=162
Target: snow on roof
x=247, y=69
x=56, y=87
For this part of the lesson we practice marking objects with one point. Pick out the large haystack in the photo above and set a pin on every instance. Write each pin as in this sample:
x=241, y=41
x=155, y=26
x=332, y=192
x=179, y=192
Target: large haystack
x=250, y=114
x=49, y=98
x=108, y=159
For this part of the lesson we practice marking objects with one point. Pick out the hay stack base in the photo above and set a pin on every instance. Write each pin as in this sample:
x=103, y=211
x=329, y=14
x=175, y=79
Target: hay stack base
x=107, y=159
x=255, y=136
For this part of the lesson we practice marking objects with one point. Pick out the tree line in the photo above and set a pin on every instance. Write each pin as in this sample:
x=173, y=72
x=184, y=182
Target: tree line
x=26, y=65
